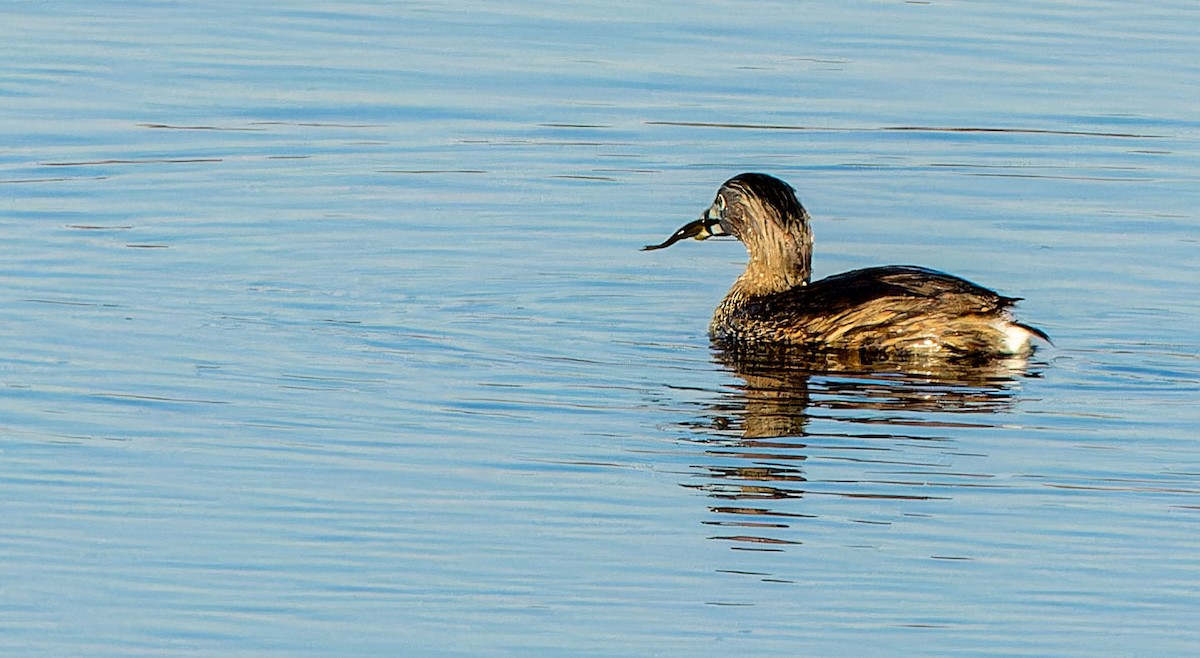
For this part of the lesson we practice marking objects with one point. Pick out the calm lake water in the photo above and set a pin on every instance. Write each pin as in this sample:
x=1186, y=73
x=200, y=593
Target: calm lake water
x=325, y=330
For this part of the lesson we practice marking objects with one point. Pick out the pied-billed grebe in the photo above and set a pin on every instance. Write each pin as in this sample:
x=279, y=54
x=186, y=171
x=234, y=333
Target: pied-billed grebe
x=898, y=310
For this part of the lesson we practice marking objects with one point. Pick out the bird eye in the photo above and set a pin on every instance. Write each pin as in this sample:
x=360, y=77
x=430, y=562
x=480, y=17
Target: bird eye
x=721, y=202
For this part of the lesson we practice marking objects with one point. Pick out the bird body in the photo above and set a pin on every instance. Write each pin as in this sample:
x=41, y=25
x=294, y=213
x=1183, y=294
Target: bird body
x=891, y=309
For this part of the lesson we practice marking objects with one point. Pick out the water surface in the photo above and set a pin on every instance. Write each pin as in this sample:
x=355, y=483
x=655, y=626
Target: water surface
x=326, y=331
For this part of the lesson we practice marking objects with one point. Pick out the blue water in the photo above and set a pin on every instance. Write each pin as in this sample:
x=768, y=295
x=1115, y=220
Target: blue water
x=325, y=331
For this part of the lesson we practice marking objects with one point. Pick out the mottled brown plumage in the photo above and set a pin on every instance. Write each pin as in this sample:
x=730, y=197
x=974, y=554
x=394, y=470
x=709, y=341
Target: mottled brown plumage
x=893, y=310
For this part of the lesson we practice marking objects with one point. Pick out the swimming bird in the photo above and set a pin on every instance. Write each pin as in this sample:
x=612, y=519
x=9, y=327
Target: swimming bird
x=889, y=311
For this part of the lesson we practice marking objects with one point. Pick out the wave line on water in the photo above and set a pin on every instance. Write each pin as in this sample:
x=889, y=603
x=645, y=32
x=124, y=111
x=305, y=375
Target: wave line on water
x=156, y=398
x=88, y=163
x=950, y=129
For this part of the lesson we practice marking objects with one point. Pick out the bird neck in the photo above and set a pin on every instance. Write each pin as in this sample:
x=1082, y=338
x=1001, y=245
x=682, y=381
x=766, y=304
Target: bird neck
x=778, y=261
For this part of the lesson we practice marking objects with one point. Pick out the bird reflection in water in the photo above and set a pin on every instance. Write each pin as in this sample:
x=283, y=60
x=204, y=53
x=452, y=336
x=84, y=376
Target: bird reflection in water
x=757, y=438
